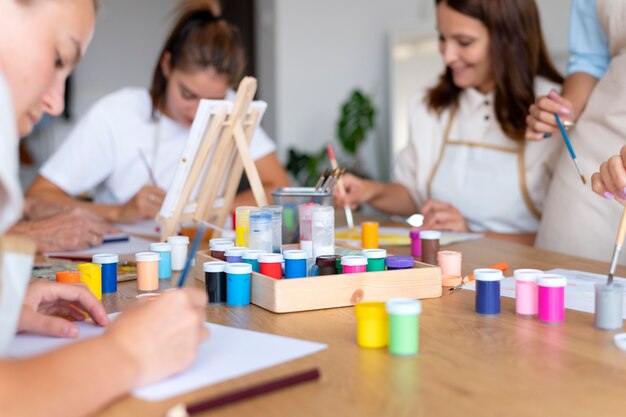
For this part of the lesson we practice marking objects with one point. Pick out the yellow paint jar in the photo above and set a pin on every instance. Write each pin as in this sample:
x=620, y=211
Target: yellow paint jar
x=369, y=235
x=242, y=225
x=372, y=325
x=91, y=276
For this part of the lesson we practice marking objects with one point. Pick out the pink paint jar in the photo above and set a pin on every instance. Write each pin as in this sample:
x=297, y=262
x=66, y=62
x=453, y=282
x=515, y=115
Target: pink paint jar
x=526, y=291
x=416, y=243
x=147, y=271
x=353, y=264
x=551, y=298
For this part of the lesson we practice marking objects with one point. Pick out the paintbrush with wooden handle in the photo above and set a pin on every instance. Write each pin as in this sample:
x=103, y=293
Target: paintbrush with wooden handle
x=619, y=241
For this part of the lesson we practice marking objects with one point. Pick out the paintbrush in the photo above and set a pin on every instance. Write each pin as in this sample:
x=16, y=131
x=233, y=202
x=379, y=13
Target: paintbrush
x=342, y=190
x=619, y=241
x=321, y=180
x=570, y=148
x=243, y=394
x=148, y=167
x=194, y=248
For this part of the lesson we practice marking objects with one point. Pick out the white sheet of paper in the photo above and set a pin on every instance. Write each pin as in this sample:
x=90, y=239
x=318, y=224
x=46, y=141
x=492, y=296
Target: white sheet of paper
x=399, y=236
x=148, y=228
x=579, y=292
x=130, y=247
x=227, y=354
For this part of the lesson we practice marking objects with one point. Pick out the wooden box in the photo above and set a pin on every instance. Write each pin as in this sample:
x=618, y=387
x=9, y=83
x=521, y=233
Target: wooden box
x=329, y=291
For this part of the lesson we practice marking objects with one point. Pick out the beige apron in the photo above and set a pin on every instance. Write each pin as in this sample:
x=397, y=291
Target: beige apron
x=494, y=177
x=575, y=220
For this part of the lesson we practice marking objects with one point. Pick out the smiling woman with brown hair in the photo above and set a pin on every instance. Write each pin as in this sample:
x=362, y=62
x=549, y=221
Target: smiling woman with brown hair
x=467, y=166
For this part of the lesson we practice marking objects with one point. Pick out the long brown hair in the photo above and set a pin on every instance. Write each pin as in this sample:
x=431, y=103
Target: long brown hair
x=200, y=39
x=518, y=55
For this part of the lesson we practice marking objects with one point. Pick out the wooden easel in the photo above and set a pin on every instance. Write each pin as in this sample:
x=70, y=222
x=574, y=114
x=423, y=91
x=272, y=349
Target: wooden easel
x=229, y=136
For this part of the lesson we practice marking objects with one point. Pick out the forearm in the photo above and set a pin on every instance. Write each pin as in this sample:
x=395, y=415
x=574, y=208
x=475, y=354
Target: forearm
x=73, y=381
x=577, y=88
x=392, y=198
x=110, y=212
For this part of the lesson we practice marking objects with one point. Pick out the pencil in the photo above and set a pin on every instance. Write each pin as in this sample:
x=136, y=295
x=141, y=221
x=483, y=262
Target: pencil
x=194, y=248
x=148, y=167
x=342, y=190
x=243, y=394
x=570, y=148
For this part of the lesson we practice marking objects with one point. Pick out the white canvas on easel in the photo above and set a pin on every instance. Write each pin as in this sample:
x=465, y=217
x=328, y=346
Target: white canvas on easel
x=215, y=156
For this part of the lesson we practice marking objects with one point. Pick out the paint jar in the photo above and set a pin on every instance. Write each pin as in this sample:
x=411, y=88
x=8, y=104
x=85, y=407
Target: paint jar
x=305, y=212
x=108, y=267
x=277, y=228
x=403, y=326
x=271, y=265
x=295, y=263
x=242, y=225
x=327, y=264
x=375, y=259
x=234, y=255
x=238, y=284
x=218, y=249
x=215, y=281
x=147, y=271
x=551, y=299
x=487, y=290
x=338, y=265
x=372, y=329
x=609, y=306
x=526, y=291
x=261, y=233
x=91, y=276
x=323, y=230
x=252, y=257
x=450, y=264
x=430, y=246
x=369, y=235
x=165, y=262
x=399, y=262
x=68, y=277
x=416, y=243
x=353, y=264
x=180, y=246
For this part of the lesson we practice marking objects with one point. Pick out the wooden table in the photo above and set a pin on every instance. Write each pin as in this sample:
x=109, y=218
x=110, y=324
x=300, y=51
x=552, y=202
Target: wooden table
x=468, y=364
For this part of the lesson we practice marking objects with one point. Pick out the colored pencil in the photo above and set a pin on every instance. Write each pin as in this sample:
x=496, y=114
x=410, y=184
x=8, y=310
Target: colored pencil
x=194, y=248
x=619, y=241
x=570, y=148
x=243, y=394
x=342, y=190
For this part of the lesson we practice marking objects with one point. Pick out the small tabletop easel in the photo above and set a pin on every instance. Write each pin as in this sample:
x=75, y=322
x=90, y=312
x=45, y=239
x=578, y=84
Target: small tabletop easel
x=218, y=165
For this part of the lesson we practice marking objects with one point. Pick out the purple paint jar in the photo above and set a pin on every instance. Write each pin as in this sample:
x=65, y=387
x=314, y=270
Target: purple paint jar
x=399, y=262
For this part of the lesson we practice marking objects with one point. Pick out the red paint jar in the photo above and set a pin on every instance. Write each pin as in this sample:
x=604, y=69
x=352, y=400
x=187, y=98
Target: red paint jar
x=271, y=264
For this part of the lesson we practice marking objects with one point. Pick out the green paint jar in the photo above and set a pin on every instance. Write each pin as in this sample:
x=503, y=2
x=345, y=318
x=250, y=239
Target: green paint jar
x=338, y=265
x=375, y=259
x=403, y=326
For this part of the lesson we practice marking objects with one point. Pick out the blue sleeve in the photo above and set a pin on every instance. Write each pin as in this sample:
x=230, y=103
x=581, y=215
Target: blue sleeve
x=588, y=44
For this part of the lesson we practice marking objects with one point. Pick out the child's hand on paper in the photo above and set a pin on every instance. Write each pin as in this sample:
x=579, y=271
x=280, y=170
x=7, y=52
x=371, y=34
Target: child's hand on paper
x=144, y=205
x=541, y=123
x=610, y=180
x=443, y=216
x=44, y=302
x=161, y=336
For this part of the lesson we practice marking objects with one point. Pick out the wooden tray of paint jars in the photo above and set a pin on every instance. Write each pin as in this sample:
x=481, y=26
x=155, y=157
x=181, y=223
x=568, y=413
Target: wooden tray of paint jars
x=330, y=291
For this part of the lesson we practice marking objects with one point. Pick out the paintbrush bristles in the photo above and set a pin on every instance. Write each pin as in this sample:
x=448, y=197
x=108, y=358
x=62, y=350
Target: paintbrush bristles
x=584, y=180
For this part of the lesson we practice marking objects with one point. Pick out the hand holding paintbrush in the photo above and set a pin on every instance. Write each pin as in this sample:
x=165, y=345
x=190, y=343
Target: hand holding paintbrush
x=342, y=190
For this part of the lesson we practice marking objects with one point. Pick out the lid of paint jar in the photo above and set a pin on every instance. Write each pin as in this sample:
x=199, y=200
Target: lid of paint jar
x=89, y=267
x=448, y=253
x=551, y=280
x=271, y=258
x=238, y=268
x=403, y=306
x=214, y=266
x=252, y=254
x=221, y=246
x=370, y=310
x=147, y=256
x=243, y=212
x=178, y=240
x=430, y=235
x=160, y=247
x=353, y=260
x=400, y=262
x=374, y=253
x=236, y=251
x=529, y=275
x=294, y=254
x=327, y=260
x=414, y=233
x=220, y=239
x=105, y=258
x=487, y=274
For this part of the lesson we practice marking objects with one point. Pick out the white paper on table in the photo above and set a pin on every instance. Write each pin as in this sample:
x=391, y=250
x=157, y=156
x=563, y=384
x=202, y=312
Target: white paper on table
x=227, y=354
x=129, y=247
x=148, y=228
x=579, y=292
x=399, y=236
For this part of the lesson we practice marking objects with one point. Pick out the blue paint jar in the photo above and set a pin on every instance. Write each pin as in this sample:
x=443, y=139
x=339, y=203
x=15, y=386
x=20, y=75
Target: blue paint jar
x=295, y=263
x=165, y=262
x=238, y=284
x=234, y=255
x=108, y=263
x=488, y=291
x=252, y=257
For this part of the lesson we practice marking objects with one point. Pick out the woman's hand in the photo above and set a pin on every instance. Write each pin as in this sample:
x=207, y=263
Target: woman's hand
x=443, y=216
x=541, y=123
x=610, y=181
x=358, y=191
x=144, y=205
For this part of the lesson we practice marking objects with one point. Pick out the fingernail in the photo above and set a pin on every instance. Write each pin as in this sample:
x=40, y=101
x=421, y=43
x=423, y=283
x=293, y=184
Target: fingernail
x=70, y=331
x=608, y=196
x=547, y=135
x=565, y=111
